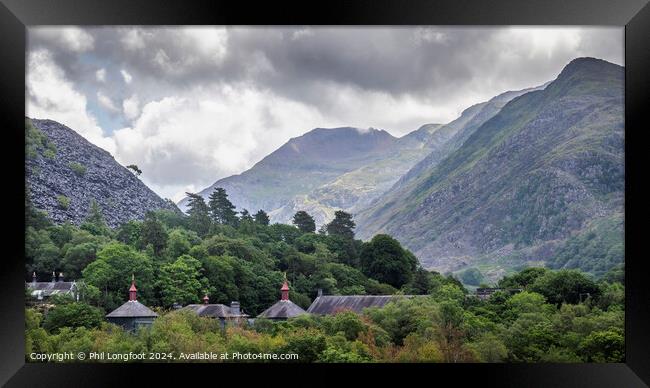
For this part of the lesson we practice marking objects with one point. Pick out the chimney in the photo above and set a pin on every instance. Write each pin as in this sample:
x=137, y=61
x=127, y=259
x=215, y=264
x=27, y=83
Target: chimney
x=234, y=308
x=206, y=300
x=53, y=277
x=133, y=291
x=320, y=292
x=60, y=276
x=34, y=277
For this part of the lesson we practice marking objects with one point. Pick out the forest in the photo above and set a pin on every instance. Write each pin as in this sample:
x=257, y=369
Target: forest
x=553, y=316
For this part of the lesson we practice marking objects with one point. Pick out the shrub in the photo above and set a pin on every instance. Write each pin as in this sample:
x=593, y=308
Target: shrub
x=63, y=201
x=78, y=168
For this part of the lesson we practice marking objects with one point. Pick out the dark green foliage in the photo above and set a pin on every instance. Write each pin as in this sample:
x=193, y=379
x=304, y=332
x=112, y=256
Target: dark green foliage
x=95, y=222
x=342, y=225
x=222, y=210
x=135, y=169
x=152, y=232
x=471, y=276
x=181, y=282
x=548, y=322
x=75, y=314
x=522, y=279
x=384, y=259
x=199, y=217
x=303, y=221
x=261, y=217
x=565, y=286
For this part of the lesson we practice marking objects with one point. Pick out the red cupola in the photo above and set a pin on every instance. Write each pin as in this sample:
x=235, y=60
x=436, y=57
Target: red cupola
x=133, y=291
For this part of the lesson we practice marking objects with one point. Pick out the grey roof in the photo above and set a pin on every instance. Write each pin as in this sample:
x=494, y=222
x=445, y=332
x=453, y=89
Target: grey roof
x=213, y=311
x=282, y=309
x=131, y=309
x=330, y=304
x=51, y=288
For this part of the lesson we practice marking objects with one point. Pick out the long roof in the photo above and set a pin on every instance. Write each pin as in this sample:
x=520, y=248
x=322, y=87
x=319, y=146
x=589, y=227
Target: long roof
x=212, y=310
x=50, y=288
x=132, y=309
x=282, y=309
x=330, y=304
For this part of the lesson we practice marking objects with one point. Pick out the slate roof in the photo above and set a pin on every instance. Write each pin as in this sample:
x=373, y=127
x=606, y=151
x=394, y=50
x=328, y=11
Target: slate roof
x=282, y=309
x=330, y=304
x=50, y=288
x=132, y=309
x=213, y=311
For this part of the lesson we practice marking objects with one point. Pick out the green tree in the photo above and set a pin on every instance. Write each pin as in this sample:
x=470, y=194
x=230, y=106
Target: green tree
x=77, y=257
x=304, y=222
x=153, y=232
x=522, y=279
x=222, y=210
x=384, y=259
x=565, y=286
x=342, y=225
x=181, y=281
x=603, y=346
x=129, y=232
x=261, y=217
x=199, y=216
x=76, y=314
x=135, y=169
x=112, y=271
x=95, y=222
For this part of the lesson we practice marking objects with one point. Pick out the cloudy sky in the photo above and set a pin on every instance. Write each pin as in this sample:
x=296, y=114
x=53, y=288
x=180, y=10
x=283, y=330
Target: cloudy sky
x=192, y=105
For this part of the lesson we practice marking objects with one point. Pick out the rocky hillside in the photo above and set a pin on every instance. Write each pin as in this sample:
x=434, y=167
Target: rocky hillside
x=65, y=173
x=547, y=170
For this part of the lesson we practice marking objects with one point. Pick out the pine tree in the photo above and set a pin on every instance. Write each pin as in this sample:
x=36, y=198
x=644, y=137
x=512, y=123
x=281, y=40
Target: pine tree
x=342, y=225
x=261, y=217
x=304, y=222
x=153, y=232
x=245, y=216
x=222, y=210
x=199, y=214
x=95, y=222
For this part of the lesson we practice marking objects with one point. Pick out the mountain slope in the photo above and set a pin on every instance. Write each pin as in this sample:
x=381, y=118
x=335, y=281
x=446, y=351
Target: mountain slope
x=65, y=172
x=547, y=166
x=303, y=164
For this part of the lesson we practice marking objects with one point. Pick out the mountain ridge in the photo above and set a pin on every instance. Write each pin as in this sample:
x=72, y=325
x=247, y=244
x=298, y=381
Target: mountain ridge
x=63, y=178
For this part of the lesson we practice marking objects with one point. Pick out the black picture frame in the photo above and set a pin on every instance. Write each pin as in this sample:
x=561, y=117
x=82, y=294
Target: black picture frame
x=16, y=15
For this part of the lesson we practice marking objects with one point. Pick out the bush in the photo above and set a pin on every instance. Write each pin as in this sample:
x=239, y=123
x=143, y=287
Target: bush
x=74, y=314
x=63, y=201
x=78, y=168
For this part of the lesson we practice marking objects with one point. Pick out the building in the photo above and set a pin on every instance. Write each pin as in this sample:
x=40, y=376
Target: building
x=284, y=308
x=132, y=314
x=225, y=314
x=484, y=293
x=332, y=304
x=43, y=290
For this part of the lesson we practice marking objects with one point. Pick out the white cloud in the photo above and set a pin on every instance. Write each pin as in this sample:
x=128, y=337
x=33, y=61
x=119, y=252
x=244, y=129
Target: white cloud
x=131, y=107
x=208, y=134
x=52, y=96
x=106, y=102
x=69, y=38
x=133, y=39
x=100, y=75
x=127, y=77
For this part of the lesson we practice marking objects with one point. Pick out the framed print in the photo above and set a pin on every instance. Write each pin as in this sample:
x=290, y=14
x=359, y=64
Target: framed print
x=440, y=189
